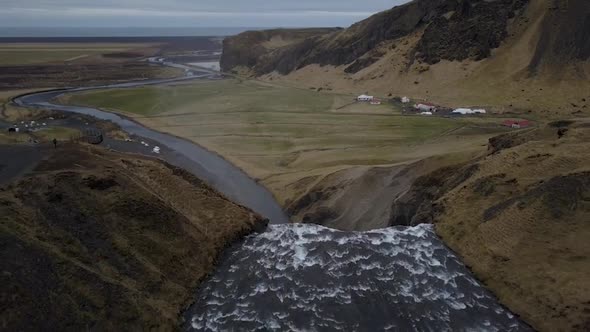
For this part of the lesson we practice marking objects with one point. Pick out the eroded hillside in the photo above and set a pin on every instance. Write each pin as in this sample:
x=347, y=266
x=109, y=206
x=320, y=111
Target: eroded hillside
x=518, y=214
x=511, y=55
x=522, y=222
x=253, y=49
x=453, y=30
x=102, y=241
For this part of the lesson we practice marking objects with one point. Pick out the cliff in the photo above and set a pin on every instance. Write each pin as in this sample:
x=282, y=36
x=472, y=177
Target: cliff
x=518, y=214
x=95, y=240
x=453, y=30
x=251, y=49
x=505, y=53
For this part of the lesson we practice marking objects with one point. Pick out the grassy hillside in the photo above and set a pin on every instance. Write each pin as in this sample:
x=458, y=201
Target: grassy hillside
x=94, y=240
x=511, y=55
x=517, y=212
x=521, y=220
x=519, y=216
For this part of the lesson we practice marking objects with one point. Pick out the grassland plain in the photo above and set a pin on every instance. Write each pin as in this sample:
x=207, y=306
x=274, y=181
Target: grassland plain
x=38, y=53
x=281, y=135
x=53, y=64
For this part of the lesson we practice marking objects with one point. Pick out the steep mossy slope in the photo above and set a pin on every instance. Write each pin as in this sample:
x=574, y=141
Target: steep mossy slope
x=94, y=240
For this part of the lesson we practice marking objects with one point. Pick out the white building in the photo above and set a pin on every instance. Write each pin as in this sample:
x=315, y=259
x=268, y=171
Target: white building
x=426, y=113
x=425, y=107
x=465, y=111
x=364, y=98
x=405, y=100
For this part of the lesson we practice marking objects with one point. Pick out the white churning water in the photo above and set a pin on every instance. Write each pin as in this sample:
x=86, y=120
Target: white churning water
x=311, y=278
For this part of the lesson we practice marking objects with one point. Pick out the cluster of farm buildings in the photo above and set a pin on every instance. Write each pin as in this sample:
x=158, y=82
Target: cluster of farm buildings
x=370, y=99
x=429, y=109
x=425, y=108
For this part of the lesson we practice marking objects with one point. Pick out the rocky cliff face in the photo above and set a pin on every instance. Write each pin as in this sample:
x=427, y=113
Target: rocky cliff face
x=252, y=48
x=500, y=53
x=452, y=30
x=466, y=29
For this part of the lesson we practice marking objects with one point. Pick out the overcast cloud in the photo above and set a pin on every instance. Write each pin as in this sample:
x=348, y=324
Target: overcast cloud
x=188, y=13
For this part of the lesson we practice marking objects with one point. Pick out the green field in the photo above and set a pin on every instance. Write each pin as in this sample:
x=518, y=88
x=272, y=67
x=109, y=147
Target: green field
x=209, y=97
x=273, y=131
x=59, y=133
x=264, y=119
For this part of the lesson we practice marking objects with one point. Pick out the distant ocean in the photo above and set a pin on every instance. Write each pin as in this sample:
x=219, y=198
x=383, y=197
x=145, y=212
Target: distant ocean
x=118, y=32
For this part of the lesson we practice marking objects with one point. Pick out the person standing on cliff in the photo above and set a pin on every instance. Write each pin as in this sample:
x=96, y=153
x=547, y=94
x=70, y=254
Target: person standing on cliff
x=55, y=143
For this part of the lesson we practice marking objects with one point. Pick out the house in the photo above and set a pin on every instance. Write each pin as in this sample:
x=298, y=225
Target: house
x=425, y=107
x=516, y=124
x=405, y=100
x=376, y=101
x=465, y=111
x=364, y=98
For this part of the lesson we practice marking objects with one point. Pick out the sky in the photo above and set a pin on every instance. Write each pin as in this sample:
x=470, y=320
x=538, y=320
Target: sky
x=188, y=13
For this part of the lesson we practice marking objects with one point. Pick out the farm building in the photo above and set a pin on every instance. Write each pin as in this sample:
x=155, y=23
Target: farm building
x=465, y=111
x=425, y=107
x=376, y=101
x=405, y=100
x=364, y=98
x=426, y=113
x=516, y=124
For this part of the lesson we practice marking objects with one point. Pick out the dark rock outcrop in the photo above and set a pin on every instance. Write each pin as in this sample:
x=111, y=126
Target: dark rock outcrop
x=454, y=30
x=505, y=141
x=562, y=195
x=563, y=37
x=469, y=29
x=249, y=48
x=418, y=204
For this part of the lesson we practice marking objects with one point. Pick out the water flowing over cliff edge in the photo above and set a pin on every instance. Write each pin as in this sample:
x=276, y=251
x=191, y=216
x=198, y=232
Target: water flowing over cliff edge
x=308, y=277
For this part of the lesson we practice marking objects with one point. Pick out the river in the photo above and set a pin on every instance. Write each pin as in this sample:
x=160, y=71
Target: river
x=307, y=277
x=208, y=166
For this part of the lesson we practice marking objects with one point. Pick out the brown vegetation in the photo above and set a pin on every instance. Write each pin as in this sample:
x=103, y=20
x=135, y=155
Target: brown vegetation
x=509, y=55
x=100, y=240
x=59, y=75
x=518, y=214
x=522, y=222
x=67, y=62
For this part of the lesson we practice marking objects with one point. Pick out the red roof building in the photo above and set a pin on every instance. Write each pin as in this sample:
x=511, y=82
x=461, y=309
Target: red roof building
x=516, y=123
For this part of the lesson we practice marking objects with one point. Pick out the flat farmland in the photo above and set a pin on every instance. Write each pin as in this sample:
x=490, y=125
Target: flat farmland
x=12, y=54
x=65, y=62
x=281, y=135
